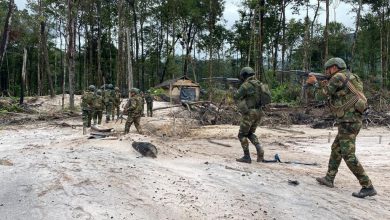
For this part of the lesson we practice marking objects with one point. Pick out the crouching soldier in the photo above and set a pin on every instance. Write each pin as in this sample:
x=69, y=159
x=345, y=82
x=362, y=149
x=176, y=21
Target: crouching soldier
x=133, y=109
x=98, y=106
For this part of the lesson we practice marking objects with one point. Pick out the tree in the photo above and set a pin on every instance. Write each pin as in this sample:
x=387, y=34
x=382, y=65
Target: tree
x=72, y=11
x=6, y=30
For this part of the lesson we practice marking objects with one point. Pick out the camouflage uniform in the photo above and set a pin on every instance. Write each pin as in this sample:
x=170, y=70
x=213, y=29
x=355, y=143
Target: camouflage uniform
x=134, y=111
x=98, y=106
x=116, y=103
x=87, y=107
x=142, y=103
x=247, y=98
x=349, y=124
x=107, y=98
x=149, y=104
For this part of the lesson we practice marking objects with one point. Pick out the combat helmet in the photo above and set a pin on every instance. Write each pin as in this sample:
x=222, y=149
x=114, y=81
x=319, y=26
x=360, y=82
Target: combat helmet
x=99, y=92
x=336, y=61
x=110, y=86
x=134, y=90
x=117, y=89
x=91, y=88
x=246, y=72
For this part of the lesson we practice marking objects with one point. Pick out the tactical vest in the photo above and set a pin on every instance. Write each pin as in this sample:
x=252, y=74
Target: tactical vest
x=87, y=100
x=350, y=97
x=107, y=96
x=257, y=95
x=98, y=103
x=261, y=96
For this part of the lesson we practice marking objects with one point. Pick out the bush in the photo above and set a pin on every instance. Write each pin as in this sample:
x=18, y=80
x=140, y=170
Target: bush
x=285, y=93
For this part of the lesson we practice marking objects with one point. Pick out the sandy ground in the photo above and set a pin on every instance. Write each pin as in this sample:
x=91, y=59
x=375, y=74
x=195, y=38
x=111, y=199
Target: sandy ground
x=53, y=172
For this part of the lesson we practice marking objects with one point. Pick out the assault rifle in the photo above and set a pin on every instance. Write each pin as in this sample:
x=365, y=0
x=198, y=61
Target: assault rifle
x=235, y=82
x=301, y=74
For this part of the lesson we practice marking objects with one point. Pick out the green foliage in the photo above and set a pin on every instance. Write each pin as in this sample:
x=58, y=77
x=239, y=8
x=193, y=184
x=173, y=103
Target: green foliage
x=285, y=93
x=157, y=92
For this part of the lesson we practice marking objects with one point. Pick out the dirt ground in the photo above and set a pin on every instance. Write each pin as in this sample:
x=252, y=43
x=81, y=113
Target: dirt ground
x=48, y=171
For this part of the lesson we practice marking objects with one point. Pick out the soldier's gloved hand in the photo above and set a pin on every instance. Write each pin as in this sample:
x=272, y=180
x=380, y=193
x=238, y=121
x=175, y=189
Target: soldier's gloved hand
x=311, y=79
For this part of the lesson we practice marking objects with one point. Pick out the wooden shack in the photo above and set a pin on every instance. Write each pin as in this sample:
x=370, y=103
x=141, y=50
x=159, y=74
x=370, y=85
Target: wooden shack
x=181, y=89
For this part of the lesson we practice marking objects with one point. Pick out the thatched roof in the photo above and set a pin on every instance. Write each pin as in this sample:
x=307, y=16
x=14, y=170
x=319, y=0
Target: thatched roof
x=182, y=81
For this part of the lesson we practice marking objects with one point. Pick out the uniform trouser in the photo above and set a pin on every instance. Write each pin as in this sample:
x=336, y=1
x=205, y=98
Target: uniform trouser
x=108, y=110
x=130, y=120
x=149, y=109
x=248, y=125
x=97, y=116
x=87, y=117
x=343, y=147
x=143, y=109
x=115, y=108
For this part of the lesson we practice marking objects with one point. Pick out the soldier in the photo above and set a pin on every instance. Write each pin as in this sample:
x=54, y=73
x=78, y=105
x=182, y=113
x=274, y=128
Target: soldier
x=142, y=96
x=249, y=101
x=107, y=97
x=133, y=110
x=347, y=102
x=87, y=106
x=116, y=103
x=149, y=103
x=98, y=106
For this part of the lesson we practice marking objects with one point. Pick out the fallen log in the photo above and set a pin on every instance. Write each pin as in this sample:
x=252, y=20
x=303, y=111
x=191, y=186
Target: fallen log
x=178, y=105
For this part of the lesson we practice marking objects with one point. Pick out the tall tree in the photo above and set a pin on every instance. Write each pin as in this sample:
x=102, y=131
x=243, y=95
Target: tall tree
x=72, y=12
x=5, y=35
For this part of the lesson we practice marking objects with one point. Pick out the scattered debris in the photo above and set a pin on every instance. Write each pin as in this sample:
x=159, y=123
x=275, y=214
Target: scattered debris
x=293, y=182
x=278, y=160
x=6, y=162
x=218, y=143
x=145, y=148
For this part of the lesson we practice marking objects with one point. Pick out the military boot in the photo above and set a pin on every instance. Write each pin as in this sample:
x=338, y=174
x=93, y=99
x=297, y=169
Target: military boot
x=369, y=191
x=325, y=181
x=246, y=158
x=260, y=153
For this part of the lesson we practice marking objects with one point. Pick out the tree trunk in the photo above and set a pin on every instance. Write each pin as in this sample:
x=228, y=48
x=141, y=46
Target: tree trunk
x=119, y=74
x=326, y=33
x=6, y=30
x=23, y=78
x=99, y=45
x=46, y=59
x=129, y=62
x=261, y=38
x=355, y=35
x=306, y=46
x=71, y=50
x=135, y=21
x=283, y=36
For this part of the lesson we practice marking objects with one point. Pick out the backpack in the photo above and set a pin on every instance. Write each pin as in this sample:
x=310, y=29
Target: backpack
x=265, y=93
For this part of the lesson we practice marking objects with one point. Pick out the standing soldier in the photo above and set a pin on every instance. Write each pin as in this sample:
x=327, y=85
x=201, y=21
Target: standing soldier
x=107, y=96
x=251, y=95
x=87, y=106
x=149, y=103
x=98, y=106
x=134, y=111
x=116, y=103
x=142, y=96
x=347, y=102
